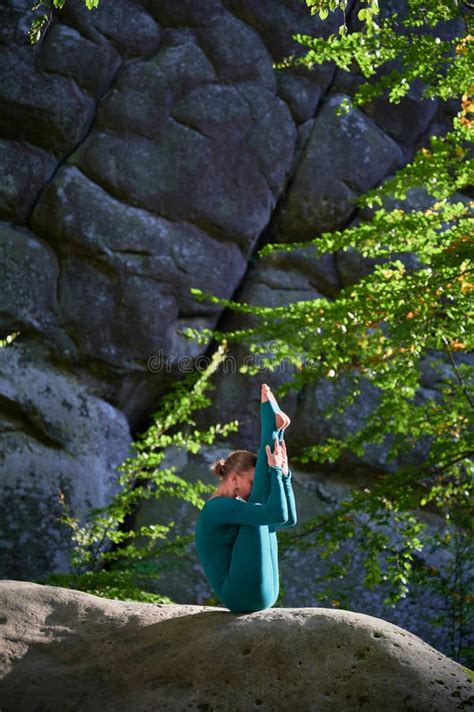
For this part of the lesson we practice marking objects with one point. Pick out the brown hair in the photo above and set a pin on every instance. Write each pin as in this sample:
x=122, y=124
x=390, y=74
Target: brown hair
x=239, y=461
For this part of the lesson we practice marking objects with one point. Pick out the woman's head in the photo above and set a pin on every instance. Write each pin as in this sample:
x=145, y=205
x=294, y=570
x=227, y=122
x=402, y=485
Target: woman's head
x=235, y=473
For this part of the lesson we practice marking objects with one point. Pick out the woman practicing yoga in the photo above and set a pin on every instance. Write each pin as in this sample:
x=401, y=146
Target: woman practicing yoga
x=236, y=540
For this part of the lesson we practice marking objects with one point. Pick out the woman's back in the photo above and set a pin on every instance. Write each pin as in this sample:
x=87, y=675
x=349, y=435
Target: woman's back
x=214, y=542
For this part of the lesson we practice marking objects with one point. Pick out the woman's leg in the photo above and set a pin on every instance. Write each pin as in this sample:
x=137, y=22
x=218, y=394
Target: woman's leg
x=249, y=585
x=274, y=555
x=268, y=431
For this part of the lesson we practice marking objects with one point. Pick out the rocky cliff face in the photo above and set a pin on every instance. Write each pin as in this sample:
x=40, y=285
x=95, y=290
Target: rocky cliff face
x=146, y=148
x=65, y=650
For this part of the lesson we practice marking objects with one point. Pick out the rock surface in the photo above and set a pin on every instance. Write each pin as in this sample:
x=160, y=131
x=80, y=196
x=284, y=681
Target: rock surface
x=64, y=650
x=55, y=438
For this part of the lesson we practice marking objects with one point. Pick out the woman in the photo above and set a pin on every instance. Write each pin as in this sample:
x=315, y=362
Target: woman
x=236, y=537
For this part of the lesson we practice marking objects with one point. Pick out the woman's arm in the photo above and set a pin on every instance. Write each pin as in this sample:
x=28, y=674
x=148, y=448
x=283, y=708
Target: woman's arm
x=226, y=510
x=268, y=433
x=290, y=497
x=290, y=502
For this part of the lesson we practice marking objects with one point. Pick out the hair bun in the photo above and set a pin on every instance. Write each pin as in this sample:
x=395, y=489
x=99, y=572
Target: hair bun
x=218, y=468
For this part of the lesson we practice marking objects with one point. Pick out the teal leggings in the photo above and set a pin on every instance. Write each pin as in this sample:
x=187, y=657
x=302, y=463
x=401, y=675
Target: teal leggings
x=255, y=550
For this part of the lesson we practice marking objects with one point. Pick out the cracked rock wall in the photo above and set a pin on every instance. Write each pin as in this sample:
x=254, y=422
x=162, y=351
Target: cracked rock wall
x=146, y=148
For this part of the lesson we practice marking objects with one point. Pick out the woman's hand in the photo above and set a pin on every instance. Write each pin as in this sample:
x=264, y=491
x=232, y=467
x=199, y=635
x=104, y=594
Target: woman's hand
x=284, y=468
x=275, y=459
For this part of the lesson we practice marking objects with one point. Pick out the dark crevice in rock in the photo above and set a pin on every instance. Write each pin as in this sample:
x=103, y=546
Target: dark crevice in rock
x=336, y=263
x=64, y=21
x=281, y=288
x=87, y=131
x=200, y=44
x=49, y=72
x=132, y=253
x=190, y=127
x=267, y=233
x=28, y=422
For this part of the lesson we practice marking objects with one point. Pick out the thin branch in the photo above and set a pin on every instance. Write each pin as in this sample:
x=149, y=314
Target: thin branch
x=456, y=371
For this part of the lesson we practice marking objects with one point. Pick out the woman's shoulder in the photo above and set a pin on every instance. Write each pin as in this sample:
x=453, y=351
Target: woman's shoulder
x=214, y=496
x=223, y=499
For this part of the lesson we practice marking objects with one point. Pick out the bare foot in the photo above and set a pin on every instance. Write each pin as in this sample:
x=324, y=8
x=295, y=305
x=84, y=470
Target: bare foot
x=282, y=420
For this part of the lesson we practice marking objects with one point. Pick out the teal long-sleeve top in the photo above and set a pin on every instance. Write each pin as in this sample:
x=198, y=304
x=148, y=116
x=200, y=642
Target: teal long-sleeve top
x=221, y=518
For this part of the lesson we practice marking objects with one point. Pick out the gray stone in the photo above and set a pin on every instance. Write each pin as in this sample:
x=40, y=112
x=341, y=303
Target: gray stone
x=63, y=649
x=446, y=29
x=138, y=103
x=46, y=110
x=276, y=280
x=64, y=51
x=24, y=170
x=15, y=20
x=125, y=24
x=408, y=120
x=327, y=181
x=55, y=437
x=353, y=266
x=186, y=13
x=312, y=426
x=436, y=369
x=319, y=271
x=237, y=52
x=301, y=95
x=275, y=287
x=345, y=82
x=441, y=123
x=185, y=65
x=28, y=279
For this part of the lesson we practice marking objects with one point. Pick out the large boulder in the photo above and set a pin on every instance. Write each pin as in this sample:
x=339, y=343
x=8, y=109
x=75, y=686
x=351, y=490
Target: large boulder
x=56, y=441
x=63, y=650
